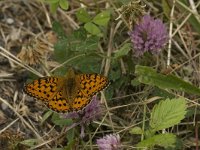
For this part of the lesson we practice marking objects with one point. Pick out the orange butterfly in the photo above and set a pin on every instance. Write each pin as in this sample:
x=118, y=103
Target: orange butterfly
x=66, y=94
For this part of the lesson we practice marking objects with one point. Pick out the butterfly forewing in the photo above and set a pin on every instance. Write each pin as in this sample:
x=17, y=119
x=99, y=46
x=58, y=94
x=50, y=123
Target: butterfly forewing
x=43, y=88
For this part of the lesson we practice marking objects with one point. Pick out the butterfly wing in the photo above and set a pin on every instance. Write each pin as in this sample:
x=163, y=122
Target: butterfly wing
x=59, y=104
x=80, y=101
x=47, y=90
x=42, y=88
x=92, y=83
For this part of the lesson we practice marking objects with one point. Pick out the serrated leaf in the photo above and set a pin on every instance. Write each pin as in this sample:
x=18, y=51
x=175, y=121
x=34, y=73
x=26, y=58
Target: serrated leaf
x=30, y=142
x=92, y=28
x=102, y=18
x=64, y=4
x=123, y=51
x=149, y=76
x=163, y=140
x=136, y=130
x=167, y=113
x=83, y=16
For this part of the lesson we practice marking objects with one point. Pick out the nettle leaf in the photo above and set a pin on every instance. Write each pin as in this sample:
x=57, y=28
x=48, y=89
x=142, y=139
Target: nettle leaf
x=92, y=28
x=167, y=113
x=102, y=18
x=163, y=140
x=123, y=51
x=64, y=4
x=83, y=16
x=149, y=76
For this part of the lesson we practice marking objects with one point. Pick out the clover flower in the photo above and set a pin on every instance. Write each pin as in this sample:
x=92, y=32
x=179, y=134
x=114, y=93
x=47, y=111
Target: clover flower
x=109, y=142
x=149, y=35
x=91, y=113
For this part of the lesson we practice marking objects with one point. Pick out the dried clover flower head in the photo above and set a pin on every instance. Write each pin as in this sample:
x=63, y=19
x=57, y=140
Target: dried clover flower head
x=35, y=50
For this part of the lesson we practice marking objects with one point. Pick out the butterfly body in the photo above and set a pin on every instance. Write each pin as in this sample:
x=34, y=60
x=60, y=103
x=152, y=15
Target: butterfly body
x=66, y=94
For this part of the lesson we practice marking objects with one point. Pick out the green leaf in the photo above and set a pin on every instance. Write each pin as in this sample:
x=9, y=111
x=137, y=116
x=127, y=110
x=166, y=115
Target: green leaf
x=88, y=63
x=92, y=28
x=70, y=144
x=51, y=1
x=123, y=51
x=64, y=4
x=136, y=130
x=83, y=16
x=89, y=44
x=80, y=34
x=149, y=76
x=61, y=50
x=46, y=116
x=135, y=82
x=166, y=8
x=102, y=18
x=163, y=140
x=57, y=120
x=56, y=26
x=162, y=93
x=30, y=142
x=53, y=7
x=167, y=113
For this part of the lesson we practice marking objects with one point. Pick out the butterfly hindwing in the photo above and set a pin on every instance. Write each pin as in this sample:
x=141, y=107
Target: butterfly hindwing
x=59, y=104
x=80, y=101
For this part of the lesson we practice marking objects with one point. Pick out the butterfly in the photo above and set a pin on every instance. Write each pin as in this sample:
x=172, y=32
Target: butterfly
x=72, y=92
